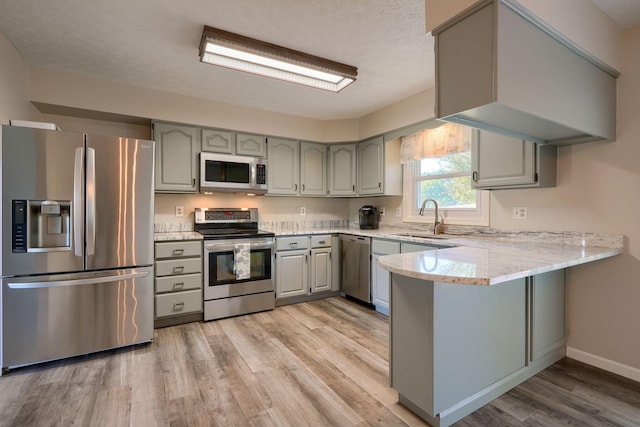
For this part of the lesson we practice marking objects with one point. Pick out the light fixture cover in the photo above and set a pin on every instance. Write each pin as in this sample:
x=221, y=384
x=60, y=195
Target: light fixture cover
x=219, y=47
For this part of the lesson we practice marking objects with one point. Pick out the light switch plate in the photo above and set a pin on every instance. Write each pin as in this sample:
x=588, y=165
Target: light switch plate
x=179, y=210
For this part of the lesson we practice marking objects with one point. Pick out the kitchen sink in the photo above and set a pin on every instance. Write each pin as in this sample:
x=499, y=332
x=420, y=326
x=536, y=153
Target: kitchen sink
x=424, y=235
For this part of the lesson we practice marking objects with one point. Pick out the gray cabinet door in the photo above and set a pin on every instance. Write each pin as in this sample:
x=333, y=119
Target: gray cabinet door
x=177, y=149
x=371, y=166
x=499, y=160
x=380, y=277
x=292, y=273
x=251, y=145
x=321, y=270
x=342, y=169
x=283, y=171
x=218, y=141
x=313, y=169
x=547, y=329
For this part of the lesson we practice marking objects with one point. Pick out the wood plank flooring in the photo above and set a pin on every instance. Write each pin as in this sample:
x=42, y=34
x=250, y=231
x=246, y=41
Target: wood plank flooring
x=322, y=363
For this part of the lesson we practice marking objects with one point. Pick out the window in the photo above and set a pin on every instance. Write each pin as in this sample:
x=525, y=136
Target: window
x=446, y=179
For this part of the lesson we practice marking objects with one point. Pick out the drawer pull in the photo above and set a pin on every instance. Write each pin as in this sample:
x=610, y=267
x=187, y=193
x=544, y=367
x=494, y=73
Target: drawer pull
x=322, y=242
x=293, y=244
x=178, y=251
x=178, y=269
x=178, y=306
x=178, y=285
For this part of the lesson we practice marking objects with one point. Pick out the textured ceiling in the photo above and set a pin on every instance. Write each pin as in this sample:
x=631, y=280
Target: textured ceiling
x=625, y=12
x=154, y=44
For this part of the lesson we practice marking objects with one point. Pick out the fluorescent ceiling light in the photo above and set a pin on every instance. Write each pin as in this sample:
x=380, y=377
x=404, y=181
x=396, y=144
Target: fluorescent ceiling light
x=242, y=53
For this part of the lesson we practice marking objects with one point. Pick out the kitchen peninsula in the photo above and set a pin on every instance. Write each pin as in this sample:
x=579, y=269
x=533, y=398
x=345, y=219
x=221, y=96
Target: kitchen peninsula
x=470, y=322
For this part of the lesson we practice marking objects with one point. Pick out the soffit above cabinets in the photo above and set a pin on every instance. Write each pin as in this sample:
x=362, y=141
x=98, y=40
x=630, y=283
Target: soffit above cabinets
x=500, y=68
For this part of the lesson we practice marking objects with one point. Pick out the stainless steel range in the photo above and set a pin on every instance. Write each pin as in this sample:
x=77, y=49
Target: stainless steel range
x=238, y=261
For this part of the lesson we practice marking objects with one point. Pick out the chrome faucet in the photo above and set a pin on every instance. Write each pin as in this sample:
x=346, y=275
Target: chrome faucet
x=437, y=224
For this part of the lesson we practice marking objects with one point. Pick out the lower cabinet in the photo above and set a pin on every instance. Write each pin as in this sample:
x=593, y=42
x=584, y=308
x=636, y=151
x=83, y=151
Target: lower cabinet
x=304, y=266
x=178, y=282
x=381, y=278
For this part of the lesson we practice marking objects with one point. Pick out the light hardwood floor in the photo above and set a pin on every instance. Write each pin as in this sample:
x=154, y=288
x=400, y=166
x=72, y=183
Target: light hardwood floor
x=323, y=363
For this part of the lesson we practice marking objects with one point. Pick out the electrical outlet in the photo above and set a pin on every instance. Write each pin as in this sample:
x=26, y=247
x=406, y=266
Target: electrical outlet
x=382, y=210
x=398, y=211
x=519, y=212
x=179, y=210
x=303, y=211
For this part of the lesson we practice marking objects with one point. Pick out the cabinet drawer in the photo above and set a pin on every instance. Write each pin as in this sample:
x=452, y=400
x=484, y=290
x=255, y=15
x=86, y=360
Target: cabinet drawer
x=178, y=266
x=183, y=282
x=321, y=241
x=178, y=249
x=385, y=247
x=178, y=303
x=285, y=243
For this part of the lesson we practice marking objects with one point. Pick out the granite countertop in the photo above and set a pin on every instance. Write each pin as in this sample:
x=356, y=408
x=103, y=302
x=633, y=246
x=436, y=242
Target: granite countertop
x=476, y=257
x=486, y=256
x=489, y=261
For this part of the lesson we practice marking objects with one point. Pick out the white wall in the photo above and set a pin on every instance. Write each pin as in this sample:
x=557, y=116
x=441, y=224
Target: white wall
x=14, y=85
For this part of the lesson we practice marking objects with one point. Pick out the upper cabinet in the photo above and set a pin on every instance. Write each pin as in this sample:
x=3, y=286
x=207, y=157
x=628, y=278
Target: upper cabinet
x=313, y=169
x=177, y=149
x=283, y=172
x=342, y=169
x=379, y=169
x=251, y=145
x=500, y=68
x=218, y=141
x=500, y=161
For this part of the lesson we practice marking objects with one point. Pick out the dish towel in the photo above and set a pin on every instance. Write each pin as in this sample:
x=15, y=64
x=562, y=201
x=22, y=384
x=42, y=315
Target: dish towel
x=242, y=260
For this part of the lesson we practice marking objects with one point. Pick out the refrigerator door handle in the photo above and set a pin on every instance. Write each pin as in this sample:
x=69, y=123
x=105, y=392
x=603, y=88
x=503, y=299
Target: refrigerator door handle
x=91, y=201
x=76, y=282
x=78, y=202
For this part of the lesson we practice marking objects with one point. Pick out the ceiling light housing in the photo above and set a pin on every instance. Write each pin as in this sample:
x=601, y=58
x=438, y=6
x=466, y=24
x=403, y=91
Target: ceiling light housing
x=219, y=47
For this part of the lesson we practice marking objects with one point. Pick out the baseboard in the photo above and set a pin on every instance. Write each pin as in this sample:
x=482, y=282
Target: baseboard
x=602, y=363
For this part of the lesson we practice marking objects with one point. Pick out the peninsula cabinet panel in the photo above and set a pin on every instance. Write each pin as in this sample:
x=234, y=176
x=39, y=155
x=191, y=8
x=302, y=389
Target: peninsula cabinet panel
x=177, y=149
x=548, y=329
x=455, y=348
x=313, y=169
x=218, y=141
x=251, y=145
x=283, y=172
x=342, y=169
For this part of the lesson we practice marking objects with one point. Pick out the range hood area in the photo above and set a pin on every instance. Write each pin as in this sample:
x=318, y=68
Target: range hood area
x=501, y=68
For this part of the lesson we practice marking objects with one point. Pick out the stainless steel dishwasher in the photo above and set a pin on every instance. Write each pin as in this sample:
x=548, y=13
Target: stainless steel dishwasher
x=355, y=266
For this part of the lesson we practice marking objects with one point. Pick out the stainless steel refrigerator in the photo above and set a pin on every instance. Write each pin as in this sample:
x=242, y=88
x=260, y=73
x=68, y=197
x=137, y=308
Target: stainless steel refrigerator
x=77, y=244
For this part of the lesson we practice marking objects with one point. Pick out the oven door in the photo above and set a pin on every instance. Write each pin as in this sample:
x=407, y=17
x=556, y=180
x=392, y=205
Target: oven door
x=221, y=276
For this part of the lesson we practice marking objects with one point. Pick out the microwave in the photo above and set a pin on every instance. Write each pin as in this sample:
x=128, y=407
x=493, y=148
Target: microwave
x=225, y=172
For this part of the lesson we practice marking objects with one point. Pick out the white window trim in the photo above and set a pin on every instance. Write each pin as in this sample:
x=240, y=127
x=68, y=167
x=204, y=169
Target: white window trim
x=478, y=216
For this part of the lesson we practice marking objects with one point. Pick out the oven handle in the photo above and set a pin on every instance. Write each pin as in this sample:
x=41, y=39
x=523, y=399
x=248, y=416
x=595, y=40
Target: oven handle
x=227, y=246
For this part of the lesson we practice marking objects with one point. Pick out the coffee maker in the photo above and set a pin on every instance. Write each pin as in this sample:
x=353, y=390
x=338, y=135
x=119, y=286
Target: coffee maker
x=369, y=217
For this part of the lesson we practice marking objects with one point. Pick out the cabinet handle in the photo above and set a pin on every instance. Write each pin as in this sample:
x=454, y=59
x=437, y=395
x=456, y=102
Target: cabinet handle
x=293, y=244
x=302, y=187
x=193, y=182
x=178, y=306
x=474, y=176
x=178, y=285
x=354, y=187
x=178, y=251
x=296, y=187
x=380, y=185
x=322, y=242
x=179, y=269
